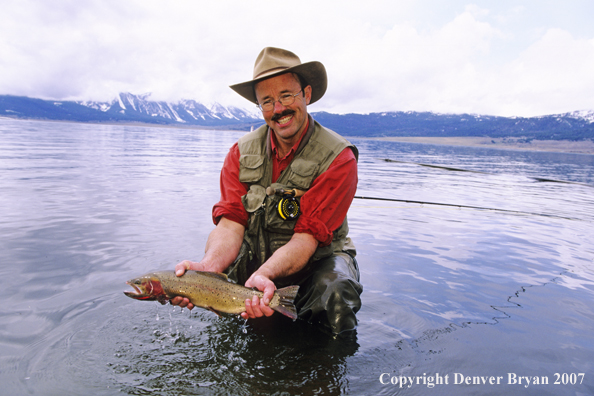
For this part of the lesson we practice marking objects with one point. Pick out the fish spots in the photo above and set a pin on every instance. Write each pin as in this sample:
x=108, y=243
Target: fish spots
x=212, y=291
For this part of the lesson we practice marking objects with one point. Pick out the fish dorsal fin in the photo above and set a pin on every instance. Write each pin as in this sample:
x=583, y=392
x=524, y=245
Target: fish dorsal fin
x=216, y=275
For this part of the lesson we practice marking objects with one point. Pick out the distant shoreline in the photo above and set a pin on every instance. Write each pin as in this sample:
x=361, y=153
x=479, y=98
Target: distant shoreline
x=559, y=146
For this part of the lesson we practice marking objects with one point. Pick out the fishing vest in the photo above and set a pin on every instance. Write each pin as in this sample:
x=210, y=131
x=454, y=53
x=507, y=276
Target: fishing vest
x=266, y=230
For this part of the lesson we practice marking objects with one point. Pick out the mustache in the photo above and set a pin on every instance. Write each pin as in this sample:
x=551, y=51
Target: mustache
x=285, y=113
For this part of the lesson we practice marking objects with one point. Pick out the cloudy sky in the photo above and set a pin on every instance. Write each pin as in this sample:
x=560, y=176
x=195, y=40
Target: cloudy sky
x=510, y=58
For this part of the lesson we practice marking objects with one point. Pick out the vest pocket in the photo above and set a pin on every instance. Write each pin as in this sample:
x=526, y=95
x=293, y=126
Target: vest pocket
x=254, y=198
x=251, y=168
x=302, y=173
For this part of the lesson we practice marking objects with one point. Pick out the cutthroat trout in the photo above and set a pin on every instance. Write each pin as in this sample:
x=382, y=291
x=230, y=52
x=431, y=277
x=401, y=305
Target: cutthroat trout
x=210, y=290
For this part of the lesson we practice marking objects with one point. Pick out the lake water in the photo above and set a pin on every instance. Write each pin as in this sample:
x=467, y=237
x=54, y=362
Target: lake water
x=453, y=295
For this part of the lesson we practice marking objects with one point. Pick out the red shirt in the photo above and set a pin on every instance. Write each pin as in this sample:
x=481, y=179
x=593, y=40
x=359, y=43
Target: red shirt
x=323, y=207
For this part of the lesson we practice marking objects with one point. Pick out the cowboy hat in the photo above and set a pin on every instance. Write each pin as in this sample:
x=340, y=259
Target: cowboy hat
x=275, y=61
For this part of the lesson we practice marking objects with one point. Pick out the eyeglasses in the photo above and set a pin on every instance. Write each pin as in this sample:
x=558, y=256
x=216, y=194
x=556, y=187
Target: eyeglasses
x=285, y=99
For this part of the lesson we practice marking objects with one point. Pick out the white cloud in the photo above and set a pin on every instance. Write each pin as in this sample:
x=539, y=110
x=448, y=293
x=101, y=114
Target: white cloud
x=552, y=75
x=411, y=70
x=501, y=58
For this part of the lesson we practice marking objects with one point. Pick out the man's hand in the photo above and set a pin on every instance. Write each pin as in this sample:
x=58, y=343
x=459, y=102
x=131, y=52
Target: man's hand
x=256, y=308
x=222, y=247
x=181, y=269
x=187, y=265
x=287, y=260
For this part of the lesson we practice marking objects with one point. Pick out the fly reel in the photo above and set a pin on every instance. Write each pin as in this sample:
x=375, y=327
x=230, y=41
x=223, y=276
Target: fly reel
x=288, y=208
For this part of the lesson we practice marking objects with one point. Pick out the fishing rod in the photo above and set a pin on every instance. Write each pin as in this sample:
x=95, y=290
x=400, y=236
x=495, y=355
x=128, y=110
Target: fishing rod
x=464, y=206
x=449, y=168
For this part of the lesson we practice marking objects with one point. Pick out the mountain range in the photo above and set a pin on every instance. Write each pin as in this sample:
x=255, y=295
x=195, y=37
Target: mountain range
x=130, y=108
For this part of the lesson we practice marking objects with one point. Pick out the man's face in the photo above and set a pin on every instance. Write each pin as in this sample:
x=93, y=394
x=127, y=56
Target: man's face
x=287, y=122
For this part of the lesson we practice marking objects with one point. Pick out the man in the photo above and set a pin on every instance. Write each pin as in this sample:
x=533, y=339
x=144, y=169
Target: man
x=267, y=237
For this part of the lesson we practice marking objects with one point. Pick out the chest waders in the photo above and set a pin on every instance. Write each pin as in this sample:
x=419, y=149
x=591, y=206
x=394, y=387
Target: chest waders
x=267, y=230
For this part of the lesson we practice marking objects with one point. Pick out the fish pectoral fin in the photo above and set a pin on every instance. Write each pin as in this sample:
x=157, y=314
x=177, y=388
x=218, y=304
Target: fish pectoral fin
x=214, y=310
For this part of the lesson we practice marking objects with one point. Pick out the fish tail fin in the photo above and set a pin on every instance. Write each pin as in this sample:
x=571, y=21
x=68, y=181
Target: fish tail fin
x=286, y=304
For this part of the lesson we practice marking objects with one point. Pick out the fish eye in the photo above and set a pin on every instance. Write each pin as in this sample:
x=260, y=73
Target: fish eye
x=137, y=282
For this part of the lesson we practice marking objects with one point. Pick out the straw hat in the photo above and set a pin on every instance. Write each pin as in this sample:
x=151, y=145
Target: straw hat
x=275, y=61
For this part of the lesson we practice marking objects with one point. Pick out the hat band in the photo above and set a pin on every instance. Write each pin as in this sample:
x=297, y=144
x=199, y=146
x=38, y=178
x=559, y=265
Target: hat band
x=269, y=72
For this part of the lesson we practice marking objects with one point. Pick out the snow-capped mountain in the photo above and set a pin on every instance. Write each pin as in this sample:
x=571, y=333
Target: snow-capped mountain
x=184, y=111
x=587, y=115
x=129, y=108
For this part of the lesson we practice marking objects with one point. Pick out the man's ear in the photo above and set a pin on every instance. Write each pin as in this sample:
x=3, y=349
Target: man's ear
x=307, y=93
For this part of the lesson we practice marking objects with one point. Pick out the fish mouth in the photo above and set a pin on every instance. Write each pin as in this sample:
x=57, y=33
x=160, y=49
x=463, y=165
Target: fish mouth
x=137, y=294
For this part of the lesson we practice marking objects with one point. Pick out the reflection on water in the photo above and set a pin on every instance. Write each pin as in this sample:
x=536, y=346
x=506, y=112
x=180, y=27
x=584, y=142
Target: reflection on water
x=448, y=289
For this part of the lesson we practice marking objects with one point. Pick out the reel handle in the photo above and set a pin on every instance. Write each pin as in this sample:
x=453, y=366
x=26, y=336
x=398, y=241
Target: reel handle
x=281, y=191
